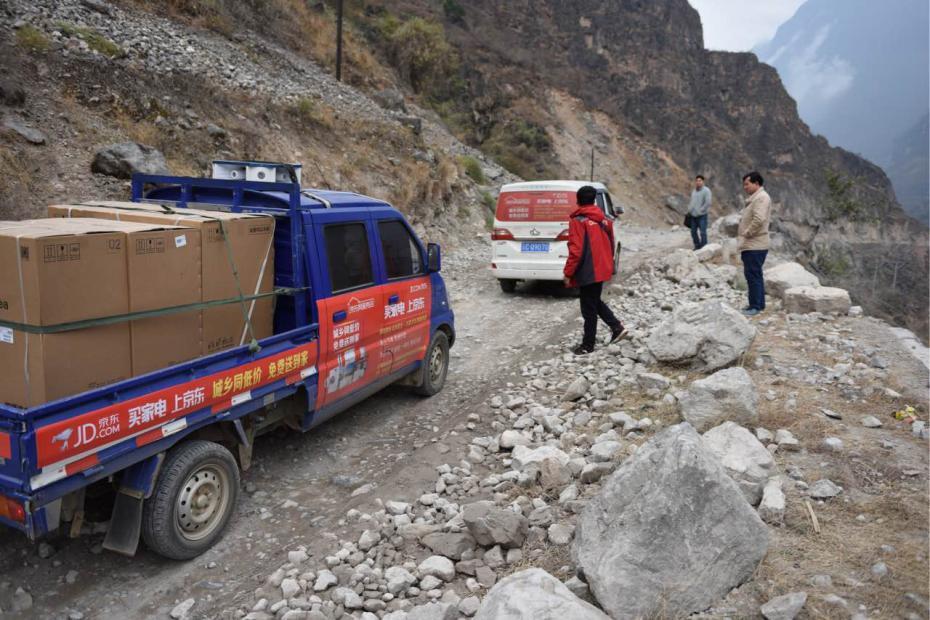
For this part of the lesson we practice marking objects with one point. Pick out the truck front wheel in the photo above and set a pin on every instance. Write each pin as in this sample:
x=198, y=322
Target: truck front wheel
x=435, y=365
x=193, y=500
x=508, y=285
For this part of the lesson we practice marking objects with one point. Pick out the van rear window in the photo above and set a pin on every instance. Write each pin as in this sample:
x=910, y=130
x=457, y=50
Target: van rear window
x=542, y=206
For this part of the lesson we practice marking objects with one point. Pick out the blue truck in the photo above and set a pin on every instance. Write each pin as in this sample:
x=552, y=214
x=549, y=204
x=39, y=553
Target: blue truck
x=360, y=305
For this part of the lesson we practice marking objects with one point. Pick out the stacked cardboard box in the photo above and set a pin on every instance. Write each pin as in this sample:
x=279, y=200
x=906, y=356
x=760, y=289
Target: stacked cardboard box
x=52, y=273
x=243, y=240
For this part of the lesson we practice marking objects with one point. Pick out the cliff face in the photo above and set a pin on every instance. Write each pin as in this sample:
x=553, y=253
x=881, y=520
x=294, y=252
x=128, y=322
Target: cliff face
x=720, y=114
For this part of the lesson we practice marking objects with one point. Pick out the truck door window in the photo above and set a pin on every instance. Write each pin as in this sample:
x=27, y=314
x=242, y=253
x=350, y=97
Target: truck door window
x=600, y=202
x=349, y=257
x=401, y=253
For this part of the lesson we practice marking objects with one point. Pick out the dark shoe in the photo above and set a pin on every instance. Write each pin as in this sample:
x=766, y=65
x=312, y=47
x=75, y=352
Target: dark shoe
x=582, y=350
x=618, y=333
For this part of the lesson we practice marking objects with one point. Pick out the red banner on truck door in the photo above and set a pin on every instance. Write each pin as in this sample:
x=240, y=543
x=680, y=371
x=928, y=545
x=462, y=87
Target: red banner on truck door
x=67, y=439
x=6, y=450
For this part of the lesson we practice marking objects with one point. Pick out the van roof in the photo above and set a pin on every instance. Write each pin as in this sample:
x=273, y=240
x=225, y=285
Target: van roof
x=541, y=186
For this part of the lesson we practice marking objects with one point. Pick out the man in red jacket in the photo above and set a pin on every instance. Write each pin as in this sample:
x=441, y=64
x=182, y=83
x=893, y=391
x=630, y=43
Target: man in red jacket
x=591, y=263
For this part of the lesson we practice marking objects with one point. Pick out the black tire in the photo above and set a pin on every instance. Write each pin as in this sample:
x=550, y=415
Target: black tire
x=508, y=286
x=200, y=471
x=435, y=365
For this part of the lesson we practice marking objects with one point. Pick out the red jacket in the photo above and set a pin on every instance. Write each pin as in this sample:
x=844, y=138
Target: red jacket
x=590, y=247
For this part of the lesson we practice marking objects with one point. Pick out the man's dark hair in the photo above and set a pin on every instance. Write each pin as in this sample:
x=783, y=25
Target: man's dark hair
x=700, y=176
x=586, y=195
x=754, y=177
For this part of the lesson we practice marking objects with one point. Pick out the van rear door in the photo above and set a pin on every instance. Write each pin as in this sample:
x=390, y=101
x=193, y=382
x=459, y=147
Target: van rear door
x=535, y=215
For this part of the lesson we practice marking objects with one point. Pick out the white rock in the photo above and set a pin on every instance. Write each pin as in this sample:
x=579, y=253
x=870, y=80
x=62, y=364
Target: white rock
x=824, y=299
x=833, y=444
x=396, y=508
x=786, y=440
x=726, y=395
x=523, y=456
x=870, y=421
x=534, y=594
x=745, y=459
x=780, y=278
x=324, y=579
x=708, y=252
x=438, y=566
x=398, y=579
x=510, y=439
x=369, y=539
x=182, y=609
x=784, y=607
x=290, y=588
x=704, y=336
x=560, y=533
x=605, y=451
x=772, y=507
x=824, y=489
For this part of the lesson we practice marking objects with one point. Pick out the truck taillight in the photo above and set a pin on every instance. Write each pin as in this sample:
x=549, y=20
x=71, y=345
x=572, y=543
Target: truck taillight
x=501, y=234
x=11, y=509
x=563, y=236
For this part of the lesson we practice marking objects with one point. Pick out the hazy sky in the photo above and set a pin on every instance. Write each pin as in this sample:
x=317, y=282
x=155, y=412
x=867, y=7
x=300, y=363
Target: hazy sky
x=739, y=25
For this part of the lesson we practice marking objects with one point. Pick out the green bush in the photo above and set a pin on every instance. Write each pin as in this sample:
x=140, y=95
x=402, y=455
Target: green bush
x=94, y=39
x=420, y=52
x=472, y=168
x=32, y=39
x=487, y=199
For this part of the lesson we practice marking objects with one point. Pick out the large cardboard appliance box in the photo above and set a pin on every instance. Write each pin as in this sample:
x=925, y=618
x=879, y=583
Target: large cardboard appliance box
x=163, y=269
x=52, y=273
x=251, y=244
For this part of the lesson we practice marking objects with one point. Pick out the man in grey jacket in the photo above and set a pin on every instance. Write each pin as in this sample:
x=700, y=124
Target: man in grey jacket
x=698, y=209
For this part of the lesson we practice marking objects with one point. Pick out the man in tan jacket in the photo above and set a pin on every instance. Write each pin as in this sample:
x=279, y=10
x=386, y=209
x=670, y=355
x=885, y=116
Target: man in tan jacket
x=754, y=240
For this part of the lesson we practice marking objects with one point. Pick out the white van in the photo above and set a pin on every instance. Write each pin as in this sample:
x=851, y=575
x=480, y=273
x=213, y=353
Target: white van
x=530, y=236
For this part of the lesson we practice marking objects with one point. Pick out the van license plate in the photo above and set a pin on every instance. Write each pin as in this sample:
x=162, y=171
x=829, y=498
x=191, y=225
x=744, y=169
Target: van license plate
x=534, y=246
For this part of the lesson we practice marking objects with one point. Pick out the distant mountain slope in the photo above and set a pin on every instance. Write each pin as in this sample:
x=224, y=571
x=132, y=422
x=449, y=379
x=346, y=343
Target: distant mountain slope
x=860, y=72
x=857, y=68
x=909, y=169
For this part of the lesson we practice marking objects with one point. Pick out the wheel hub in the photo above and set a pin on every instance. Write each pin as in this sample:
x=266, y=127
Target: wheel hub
x=202, y=501
x=435, y=365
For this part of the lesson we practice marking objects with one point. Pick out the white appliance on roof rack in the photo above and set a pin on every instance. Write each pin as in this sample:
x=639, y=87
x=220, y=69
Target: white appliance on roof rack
x=261, y=171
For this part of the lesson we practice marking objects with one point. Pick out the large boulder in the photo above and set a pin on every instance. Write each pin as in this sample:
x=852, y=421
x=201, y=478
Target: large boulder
x=124, y=159
x=490, y=525
x=534, y=594
x=726, y=395
x=780, y=278
x=729, y=225
x=524, y=456
x=682, y=266
x=670, y=532
x=450, y=544
x=704, y=336
x=825, y=299
x=743, y=456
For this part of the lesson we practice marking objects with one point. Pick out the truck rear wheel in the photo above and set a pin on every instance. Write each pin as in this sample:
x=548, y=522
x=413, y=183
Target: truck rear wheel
x=508, y=286
x=435, y=365
x=193, y=500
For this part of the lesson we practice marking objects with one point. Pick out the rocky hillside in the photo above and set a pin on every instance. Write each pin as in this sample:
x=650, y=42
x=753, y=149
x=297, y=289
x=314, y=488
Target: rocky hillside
x=77, y=76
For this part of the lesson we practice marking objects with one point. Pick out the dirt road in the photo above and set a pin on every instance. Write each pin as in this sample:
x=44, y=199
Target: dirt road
x=300, y=486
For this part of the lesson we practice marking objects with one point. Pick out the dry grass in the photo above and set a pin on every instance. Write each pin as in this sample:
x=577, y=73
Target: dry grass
x=552, y=559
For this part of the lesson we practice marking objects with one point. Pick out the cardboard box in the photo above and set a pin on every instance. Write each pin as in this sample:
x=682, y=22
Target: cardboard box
x=52, y=274
x=164, y=270
x=251, y=240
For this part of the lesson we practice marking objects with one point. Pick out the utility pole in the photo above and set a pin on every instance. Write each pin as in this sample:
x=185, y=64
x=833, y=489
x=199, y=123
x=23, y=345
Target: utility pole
x=339, y=41
x=592, y=165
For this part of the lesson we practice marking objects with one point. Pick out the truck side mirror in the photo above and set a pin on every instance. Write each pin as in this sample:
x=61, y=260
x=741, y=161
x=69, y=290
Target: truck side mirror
x=433, y=258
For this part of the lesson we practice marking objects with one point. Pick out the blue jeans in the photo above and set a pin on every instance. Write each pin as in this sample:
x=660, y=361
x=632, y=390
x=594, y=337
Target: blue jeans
x=699, y=224
x=752, y=269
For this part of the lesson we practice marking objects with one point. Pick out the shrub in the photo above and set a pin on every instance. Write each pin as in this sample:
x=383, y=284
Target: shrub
x=32, y=39
x=94, y=39
x=421, y=54
x=487, y=199
x=454, y=11
x=472, y=168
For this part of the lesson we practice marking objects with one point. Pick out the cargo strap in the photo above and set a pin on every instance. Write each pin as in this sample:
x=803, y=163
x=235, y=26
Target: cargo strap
x=144, y=314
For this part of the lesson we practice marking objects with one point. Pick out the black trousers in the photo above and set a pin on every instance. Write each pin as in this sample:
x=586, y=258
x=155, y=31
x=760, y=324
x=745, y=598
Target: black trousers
x=591, y=308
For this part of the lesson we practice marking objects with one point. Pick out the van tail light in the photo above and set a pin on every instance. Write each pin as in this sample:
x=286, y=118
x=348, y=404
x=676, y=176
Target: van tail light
x=11, y=509
x=501, y=234
x=563, y=236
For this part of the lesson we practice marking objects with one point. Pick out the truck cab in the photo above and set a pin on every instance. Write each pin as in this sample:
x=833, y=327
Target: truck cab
x=359, y=304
